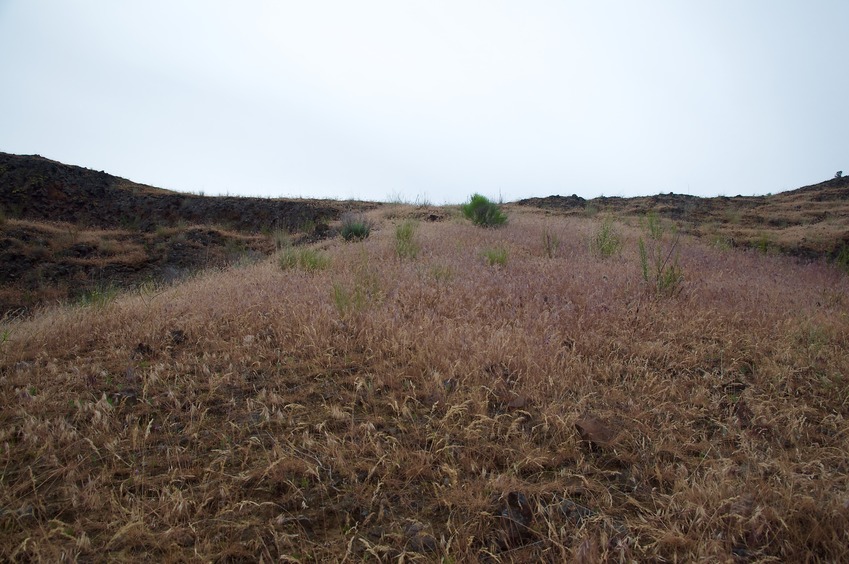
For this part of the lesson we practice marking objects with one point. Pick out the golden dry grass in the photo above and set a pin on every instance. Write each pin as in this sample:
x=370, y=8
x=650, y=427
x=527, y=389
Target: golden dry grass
x=426, y=409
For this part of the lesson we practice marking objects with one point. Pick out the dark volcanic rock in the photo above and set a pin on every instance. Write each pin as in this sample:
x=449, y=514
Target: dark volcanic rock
x=32, y=187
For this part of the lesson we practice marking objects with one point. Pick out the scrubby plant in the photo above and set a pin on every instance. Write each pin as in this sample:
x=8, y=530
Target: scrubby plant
x=358, y=293
x=483, y=212
x=841, y=259
x=590, y=210
x=550, y=243
x=406, y=246
x=99, y=297
x=442, y=273
x=606, y=242
x=355, y=227
x=308, y=260
x=281, y=239
x=659, y=258
x=496, y=256
x=763, y=243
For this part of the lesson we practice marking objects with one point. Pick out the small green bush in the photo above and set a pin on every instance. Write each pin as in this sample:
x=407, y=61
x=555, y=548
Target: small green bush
x=483, y=212
x=607, y=241
x=355, y=227
x=496, y=256
x=405, y=245
x=308, y=260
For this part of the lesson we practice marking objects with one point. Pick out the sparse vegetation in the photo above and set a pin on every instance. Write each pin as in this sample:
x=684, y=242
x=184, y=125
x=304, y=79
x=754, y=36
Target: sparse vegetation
x=441, y=410
x=359, y=291
x=334, y=398
x=606, y=241
x=763, y=243
x=282, y=240
x=841, y=259
x=355, y=227
x=99, y=297
x=306, y=259
x=659, y=258
x=550, y=243
x=482, y=212
x=495, y=256
x=406, y=246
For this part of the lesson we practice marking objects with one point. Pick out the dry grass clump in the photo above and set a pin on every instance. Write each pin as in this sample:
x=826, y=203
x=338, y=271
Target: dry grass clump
x=550, y=409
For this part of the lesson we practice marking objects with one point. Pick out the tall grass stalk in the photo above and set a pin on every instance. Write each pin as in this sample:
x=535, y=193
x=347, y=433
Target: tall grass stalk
x=550, y=243
x=659, y=258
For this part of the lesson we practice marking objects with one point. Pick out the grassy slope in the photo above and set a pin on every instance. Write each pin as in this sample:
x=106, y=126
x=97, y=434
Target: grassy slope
x=382, y=407
x=810, y=222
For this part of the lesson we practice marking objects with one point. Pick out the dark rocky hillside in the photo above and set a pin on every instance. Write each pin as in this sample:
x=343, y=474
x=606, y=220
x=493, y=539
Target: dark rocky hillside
x=71, y=233
x=35, y=188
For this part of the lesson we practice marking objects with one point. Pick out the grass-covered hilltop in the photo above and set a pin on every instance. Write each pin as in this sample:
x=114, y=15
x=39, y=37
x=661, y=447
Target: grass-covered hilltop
x=647, y=379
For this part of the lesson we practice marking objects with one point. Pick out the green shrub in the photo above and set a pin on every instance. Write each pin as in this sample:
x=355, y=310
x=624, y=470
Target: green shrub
x=355, y=227
x=607, y=241
x=483, y=212
x=496, y=256
x=405, y=245
x=659, y=259
x=309, y=260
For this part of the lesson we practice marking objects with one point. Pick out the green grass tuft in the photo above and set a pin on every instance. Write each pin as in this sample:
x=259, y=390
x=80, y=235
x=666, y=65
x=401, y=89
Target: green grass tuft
x=406, y=246
x=308, y=260
x=355, y=227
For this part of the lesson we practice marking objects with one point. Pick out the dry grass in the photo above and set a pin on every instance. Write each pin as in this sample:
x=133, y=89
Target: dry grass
x=247, y=414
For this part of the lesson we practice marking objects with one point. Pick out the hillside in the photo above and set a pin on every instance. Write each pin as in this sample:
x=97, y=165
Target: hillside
x=68, y=233
x=440, y=392
x=811, y=222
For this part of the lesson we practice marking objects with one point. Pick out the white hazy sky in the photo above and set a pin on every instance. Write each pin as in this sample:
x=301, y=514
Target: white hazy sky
x=432, y=99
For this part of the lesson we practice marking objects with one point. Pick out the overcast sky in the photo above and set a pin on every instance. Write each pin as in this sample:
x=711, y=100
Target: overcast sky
x=432, y=99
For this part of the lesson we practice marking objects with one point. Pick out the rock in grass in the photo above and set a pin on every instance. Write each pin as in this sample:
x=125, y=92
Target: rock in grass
x=595, y=432
x=516, y=519
x=419, y=540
